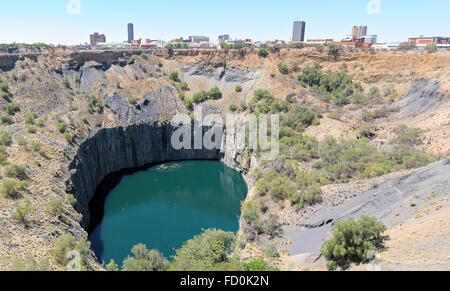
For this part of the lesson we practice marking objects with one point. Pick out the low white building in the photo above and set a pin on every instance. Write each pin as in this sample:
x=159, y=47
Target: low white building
x=386, y=46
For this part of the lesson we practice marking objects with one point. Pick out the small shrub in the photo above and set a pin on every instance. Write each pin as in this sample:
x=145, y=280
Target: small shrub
x=5, y=138
x=36, y=146
x=30, y=118
x=31, y=129
x=366, y=130
x=407, y=136
x=145, y=260
x=238, y=89
x=55, y=207
x=183, y=86
x=215, y=94
x=112, y=266
x=271, y=251
x=67, y=243
x=12, y=188
x=205, y=251
x=16, y=171
x=174, y=77
x=200, y=97
x=66, y=82
x=73, y=107
x=71, y=199
x=62, y=127
x=21, y=212
x=233, y=107
x=21, y=141
x=262, y=53
x=6, y=119
x=12, y=108
x=69, y=137
x=283, y=69
x=3, y=155
x=94, y=105
x=189, y=104
x=259, y=265
x=243, y=105
x=4, y=87
x=40, y=122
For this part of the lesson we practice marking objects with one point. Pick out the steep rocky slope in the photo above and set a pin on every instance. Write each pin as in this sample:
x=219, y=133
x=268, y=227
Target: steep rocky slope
x=116, y=106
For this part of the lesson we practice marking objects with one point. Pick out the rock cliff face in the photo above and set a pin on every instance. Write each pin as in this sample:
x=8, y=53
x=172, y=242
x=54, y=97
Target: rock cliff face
x=114, y=149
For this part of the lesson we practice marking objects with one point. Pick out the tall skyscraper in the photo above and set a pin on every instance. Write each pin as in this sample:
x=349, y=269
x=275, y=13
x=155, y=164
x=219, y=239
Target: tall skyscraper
x=299, y=31
x=130, y=32
x=359, y=31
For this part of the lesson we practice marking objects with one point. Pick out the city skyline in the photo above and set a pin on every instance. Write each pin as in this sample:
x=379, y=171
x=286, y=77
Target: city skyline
x=34, y=21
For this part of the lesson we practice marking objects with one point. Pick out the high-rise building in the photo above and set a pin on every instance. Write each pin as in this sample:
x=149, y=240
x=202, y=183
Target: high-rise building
x=130, y=32
x=96, y=38
x=224, y=37
x=299, y=31
x=359, y=31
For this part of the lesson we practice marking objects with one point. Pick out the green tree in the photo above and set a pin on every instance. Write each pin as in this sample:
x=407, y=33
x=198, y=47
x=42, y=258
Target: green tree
x=200, y=97
x=205, y=251
x=283, y=69
x=112, y=266
x=215, y=94
x=333, y=50
x=352, y=240
x=259, y=265
x=145, y=260
x=174, y=77
x=262, y=53
x=67, y=243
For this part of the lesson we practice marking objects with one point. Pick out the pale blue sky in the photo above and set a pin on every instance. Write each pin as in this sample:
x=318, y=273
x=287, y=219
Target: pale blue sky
x=48, y=21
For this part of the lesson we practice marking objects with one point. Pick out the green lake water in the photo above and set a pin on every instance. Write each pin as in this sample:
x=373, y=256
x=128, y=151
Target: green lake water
x=166, y=205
